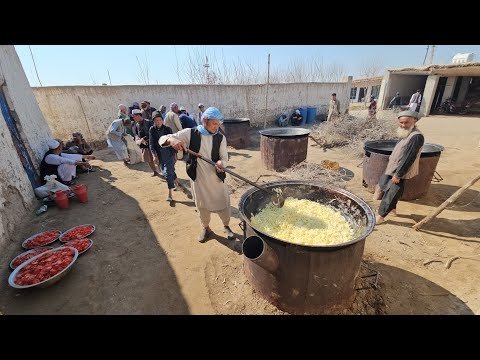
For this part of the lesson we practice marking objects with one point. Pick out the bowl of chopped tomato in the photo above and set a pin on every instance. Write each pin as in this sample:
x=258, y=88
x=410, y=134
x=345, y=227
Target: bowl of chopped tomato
x=27, y=255
x=77, y=232
x=44, y=269
x=81, y=245
x=41, y=239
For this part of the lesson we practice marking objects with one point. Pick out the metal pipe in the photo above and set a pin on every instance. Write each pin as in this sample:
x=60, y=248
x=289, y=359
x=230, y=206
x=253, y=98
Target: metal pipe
x=256, y=250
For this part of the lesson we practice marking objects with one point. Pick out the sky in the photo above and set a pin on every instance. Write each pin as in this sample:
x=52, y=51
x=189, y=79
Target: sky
x=69, y=65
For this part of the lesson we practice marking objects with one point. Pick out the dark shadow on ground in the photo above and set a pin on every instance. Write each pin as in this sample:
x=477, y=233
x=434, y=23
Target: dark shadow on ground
x=126, y=271
x=233, y=153
x=175, y=201
x=466, y=228
x=234, y=244
x=469, y=201
x=406, y=293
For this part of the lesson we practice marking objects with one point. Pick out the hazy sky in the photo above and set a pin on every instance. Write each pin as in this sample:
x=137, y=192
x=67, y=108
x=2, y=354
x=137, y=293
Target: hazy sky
x=167, y=64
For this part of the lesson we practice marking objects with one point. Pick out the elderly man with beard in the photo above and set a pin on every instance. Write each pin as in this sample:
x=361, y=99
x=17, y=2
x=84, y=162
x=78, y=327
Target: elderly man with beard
x=403, y=164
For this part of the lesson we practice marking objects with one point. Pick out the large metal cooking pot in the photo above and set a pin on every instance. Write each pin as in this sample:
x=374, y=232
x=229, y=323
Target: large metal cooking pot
x=302, y=279
x=236, y=132
x=281, y=148
x=375, y=161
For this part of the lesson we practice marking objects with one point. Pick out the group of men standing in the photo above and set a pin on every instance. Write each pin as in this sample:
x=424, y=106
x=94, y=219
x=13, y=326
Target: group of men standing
x=163, y=138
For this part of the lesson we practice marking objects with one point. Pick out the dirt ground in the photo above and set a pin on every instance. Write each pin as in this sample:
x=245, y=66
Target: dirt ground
x=146, y=260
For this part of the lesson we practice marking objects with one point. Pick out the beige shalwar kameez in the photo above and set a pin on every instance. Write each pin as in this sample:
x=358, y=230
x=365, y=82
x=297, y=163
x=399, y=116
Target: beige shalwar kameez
x=209, y=192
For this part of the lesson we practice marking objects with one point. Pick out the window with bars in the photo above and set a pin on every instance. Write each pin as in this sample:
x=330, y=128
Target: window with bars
x=375, y=91
x=353, y=93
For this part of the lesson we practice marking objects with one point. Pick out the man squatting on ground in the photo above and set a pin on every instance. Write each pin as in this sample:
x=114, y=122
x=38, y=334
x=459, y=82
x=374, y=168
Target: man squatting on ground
x=207, y=182
x=403, y=164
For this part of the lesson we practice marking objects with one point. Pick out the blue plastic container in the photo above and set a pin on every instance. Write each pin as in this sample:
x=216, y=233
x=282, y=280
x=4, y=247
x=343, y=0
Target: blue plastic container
x=303, y=112
x=311, y=115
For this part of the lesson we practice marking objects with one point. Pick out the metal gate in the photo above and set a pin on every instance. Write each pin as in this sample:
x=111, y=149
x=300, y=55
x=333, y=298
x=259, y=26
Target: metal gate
x=18, y=142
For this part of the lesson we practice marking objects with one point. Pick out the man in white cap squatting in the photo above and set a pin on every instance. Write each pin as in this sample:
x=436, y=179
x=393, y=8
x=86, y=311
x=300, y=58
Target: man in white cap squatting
x=403, y=164
x=64, y=166
x=208, y=182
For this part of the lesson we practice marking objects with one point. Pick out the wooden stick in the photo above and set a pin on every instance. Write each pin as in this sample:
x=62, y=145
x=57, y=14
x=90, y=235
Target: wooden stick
x=447, y=202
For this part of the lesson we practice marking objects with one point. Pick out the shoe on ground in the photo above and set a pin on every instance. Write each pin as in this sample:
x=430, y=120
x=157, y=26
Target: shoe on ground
x=155, y=174
x=379, y=220
x=204, y=234
x=169, y=198
x=228, y=232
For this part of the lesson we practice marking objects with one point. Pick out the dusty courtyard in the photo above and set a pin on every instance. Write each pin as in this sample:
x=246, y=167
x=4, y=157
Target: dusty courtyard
x=146, y=260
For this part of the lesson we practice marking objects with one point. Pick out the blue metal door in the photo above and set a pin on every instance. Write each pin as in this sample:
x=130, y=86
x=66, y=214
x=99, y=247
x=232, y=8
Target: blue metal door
x=18, y=142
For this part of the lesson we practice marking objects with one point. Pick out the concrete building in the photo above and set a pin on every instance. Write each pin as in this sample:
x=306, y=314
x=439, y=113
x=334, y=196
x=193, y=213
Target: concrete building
x=362, y=89
x=461, y=82
x=23, y=136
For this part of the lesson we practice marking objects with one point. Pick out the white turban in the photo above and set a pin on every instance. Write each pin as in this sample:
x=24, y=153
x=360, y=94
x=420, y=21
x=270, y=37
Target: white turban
x=53, y=144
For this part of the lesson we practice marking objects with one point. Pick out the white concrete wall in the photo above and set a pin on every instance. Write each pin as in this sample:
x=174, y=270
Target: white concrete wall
x=91, y=109
x=16, y=192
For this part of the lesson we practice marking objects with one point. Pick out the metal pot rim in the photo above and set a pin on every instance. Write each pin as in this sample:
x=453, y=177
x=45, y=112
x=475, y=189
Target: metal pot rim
x=285, y=132
x=368, y=210
x=432, y=148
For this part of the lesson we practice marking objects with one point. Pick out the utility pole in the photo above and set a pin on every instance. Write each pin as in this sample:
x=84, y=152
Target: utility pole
x=206, y=66
x=266, y=95
x=432, y=54
x=426, y=53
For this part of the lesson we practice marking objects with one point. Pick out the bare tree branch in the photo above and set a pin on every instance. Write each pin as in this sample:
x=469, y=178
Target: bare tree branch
x=371, y=68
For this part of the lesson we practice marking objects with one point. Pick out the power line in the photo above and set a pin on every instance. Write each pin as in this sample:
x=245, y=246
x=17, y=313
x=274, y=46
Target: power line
x=31, y=53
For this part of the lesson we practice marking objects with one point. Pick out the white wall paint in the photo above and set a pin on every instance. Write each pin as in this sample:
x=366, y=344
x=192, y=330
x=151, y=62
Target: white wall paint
x=62, y=106
x=16, y=192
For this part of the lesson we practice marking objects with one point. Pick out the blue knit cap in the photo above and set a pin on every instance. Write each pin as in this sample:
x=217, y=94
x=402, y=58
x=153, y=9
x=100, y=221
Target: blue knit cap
x=212, y=113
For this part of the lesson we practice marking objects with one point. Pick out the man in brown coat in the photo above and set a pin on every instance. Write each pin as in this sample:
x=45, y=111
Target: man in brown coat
x=403, y=163
x=333, y=107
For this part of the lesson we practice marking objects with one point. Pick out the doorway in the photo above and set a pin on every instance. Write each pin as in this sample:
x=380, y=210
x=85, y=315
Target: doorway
x=437, y=99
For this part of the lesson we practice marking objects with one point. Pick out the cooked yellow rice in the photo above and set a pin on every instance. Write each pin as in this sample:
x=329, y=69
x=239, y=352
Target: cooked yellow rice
x=304, y=222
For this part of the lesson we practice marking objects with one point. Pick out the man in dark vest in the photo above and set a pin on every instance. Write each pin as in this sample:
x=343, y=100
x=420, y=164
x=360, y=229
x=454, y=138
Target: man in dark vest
x=403, y=164
x=207, y=182
x=141, y=129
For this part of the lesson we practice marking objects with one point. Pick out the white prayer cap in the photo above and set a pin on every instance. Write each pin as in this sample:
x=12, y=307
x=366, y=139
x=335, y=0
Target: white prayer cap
x=53, y=144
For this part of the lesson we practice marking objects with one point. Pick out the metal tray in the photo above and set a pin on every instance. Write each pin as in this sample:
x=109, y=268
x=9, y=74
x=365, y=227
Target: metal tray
x=27, y=252
x=31, y=237
x=66, y=231
x=44, y=283
x=79, y=253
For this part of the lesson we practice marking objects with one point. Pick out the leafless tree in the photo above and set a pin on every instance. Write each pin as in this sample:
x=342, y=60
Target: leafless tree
x=371, y=68
x=143, y=72
x=201, y=67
